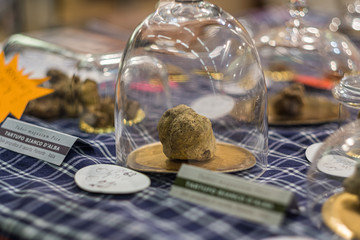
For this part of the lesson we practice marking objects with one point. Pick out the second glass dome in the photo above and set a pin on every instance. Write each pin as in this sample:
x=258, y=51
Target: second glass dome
x=302, y=63
x=304, y=53
x=191, y=53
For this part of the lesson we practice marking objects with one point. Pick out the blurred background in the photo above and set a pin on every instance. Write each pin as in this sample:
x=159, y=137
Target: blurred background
x=119, y=17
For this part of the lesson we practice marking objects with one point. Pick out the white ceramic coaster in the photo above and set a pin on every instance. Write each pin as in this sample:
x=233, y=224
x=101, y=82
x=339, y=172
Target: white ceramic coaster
x=112, y=179
x=336, y=165
x=213, y=106
x=312, y=150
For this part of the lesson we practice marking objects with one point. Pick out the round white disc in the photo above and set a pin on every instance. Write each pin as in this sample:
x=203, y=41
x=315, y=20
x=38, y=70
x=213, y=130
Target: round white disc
x=312, y=150
x=337, y=165
x=213, y=106
x=111, y=179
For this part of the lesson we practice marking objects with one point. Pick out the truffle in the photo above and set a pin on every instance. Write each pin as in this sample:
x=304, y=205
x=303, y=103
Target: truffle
x=76, y=99
x=186, y=135
x=352, y=183
x=89, y=93
x=47, y=107
x=290, y=101
x=131, y=109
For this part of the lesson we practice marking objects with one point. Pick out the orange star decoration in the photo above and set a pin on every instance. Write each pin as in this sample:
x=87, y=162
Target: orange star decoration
x=17, y=89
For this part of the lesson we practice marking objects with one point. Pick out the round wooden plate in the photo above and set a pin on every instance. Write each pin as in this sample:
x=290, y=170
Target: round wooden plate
x=228, y=158
x=341, y=213
x=317, y=109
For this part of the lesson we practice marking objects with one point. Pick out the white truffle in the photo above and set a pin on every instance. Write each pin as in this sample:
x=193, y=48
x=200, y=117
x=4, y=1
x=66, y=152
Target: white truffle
x=186, y=135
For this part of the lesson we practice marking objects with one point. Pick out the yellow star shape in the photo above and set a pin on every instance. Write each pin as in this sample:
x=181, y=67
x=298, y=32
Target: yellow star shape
x=17, y=89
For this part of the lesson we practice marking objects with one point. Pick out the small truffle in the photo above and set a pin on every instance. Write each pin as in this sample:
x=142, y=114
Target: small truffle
x=47, y=107
x=290, y=101
x=74, y=98
x=186, y=135
x=56, y=76
x=100, y=115
x=131, y=109
x=352, y=183
x=89, y=93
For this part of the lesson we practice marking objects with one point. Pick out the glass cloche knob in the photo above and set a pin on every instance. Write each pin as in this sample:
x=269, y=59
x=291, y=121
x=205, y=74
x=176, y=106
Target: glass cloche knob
x=190, y=89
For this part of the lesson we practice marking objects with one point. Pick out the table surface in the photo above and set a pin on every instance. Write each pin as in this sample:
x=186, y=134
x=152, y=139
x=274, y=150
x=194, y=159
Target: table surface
x=39, y=200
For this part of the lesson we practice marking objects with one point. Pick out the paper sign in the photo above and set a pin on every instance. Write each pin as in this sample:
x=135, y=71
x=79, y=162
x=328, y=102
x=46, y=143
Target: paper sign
x=17, y=89
x=232, y=195
x=35, y=141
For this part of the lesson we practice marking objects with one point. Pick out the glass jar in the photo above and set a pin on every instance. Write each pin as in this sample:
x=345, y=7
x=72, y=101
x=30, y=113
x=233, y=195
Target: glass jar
x=81, y=67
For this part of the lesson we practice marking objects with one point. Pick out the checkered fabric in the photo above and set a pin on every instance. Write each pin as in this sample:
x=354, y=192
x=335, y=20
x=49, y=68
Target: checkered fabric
x=39, y=200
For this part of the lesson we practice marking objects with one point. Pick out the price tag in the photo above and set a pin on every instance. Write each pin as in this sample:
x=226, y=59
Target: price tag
x=232, y=195
x=35, y=141
x=17, y=89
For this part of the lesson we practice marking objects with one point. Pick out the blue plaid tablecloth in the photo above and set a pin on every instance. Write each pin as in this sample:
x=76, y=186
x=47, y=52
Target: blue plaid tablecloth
x=39, y=200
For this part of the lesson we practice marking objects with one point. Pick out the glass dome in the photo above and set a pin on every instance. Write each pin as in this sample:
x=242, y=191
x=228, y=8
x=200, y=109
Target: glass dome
x=334, y=174
x=191, y=53
x=315, y=58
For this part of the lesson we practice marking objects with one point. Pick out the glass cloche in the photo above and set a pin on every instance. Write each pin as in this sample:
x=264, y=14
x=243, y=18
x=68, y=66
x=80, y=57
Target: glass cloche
x=190, y=89
x=302, y=63
x=333, y=183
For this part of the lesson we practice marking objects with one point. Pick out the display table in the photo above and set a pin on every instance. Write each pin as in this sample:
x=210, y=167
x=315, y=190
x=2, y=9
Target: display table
x=39, y=200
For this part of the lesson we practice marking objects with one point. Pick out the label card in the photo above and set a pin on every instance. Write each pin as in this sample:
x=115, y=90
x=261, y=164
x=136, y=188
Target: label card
x=35, y=141
x=232, y=195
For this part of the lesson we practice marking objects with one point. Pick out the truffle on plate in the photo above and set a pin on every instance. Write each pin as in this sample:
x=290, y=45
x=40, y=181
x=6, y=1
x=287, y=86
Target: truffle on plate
x=290, y=101
x=186, y=135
